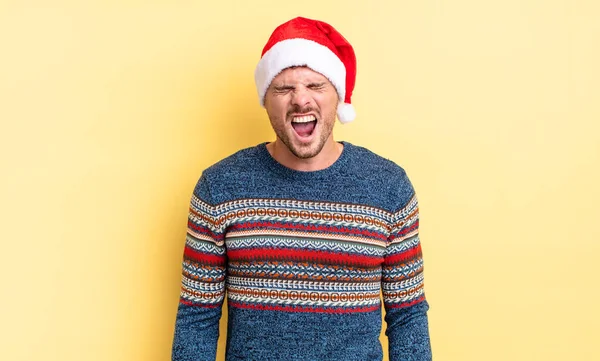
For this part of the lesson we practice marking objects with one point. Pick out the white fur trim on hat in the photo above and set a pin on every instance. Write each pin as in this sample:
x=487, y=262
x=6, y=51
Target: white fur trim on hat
x=345, y=112
x=299, y=52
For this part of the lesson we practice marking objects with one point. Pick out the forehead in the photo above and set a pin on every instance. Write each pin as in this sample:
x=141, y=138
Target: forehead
x=299, y=74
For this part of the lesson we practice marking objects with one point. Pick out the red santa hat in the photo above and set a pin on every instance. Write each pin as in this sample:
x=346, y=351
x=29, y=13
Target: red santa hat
x=317, y=45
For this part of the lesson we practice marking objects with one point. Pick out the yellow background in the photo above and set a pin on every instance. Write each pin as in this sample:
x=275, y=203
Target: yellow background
x=110, y=111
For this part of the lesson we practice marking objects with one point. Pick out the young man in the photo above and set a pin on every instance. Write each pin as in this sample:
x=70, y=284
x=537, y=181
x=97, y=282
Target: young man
x=305, y=232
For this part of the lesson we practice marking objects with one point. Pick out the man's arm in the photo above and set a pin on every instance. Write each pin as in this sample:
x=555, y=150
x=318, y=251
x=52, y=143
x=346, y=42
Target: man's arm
x=404, y=299
x=203, y=282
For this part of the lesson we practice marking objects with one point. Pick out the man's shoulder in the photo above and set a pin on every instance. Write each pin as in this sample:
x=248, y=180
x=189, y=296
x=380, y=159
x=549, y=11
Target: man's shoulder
x=387, y=181
x=230, y=177
x=367, y=161
x=239, y=161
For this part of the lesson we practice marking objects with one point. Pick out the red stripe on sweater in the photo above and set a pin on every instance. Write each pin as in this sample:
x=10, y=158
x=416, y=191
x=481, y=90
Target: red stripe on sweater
x=406, y=304
x=302, y=255
x=201, y=229
x=309, y=227
x=407, y=255
x=203, y=257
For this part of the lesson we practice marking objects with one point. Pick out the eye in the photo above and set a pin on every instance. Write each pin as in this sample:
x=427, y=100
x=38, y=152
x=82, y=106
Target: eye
x=316, y=86
x=283, y=89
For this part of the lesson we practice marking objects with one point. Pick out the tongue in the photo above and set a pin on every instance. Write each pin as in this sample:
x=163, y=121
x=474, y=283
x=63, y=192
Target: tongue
x=304, y=129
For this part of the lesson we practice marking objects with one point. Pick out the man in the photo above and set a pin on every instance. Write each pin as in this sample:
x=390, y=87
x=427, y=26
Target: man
x=305, y=232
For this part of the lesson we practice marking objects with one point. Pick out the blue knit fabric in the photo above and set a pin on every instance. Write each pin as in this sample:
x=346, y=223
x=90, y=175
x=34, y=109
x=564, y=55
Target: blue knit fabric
x=303, y=257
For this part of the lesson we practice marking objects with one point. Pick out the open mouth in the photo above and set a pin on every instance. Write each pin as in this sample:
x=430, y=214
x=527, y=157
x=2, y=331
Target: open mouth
x=304, y=126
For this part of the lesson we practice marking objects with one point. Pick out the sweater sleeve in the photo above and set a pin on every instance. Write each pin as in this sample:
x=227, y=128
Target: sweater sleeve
x=402, y=284
x=203, y=282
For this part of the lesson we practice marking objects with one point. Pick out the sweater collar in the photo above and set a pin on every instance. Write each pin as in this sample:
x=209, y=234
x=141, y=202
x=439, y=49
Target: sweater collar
x=290, y=173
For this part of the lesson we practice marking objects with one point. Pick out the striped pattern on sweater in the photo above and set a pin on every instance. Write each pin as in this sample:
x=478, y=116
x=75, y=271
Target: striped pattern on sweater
x=301, y=256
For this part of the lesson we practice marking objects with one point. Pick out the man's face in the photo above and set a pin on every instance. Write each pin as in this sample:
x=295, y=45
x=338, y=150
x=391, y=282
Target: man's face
x=301, y=105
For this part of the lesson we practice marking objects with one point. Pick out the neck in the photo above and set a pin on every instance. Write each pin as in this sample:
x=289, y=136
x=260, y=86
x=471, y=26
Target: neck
x=327, y=156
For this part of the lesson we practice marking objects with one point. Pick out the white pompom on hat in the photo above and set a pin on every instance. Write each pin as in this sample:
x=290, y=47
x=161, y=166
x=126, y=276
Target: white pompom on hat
x=317, y=45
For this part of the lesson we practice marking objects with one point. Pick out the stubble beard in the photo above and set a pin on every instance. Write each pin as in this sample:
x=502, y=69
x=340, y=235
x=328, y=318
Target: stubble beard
x=310, y=150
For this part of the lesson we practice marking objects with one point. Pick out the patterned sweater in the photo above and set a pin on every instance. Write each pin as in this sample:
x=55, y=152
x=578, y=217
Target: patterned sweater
x=304, y=258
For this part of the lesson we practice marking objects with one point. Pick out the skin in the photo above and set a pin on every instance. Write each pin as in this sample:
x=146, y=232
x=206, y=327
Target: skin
x=295, y=92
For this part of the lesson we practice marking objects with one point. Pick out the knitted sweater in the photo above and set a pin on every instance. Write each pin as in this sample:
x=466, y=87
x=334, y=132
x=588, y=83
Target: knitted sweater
x=304, y=258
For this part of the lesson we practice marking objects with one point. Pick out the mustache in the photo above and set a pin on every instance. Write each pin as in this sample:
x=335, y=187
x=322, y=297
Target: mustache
x=296, y=109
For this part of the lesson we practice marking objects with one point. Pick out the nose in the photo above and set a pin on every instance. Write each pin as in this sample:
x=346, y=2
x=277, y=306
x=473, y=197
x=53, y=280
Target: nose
x=301, y=97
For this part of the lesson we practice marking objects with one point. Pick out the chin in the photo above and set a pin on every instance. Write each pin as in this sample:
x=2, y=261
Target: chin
x=305, y=155
x=308, y=151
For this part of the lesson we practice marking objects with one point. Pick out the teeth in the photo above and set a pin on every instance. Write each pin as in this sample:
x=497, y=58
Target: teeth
x=304, y=119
